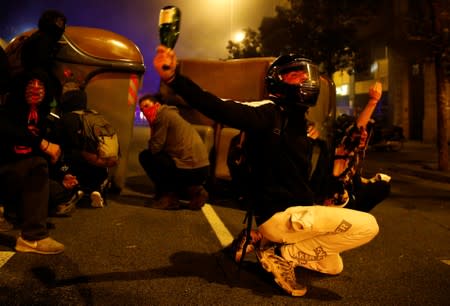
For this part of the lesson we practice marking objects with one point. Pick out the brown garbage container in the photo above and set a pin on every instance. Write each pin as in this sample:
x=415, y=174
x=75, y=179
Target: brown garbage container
x=111, y=67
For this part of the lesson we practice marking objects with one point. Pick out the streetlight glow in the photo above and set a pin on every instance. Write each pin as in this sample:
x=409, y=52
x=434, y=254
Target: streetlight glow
x=239, y=37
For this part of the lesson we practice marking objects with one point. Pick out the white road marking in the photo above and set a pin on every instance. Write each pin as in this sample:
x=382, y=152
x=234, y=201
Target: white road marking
x=222, y=233
x=5, y=256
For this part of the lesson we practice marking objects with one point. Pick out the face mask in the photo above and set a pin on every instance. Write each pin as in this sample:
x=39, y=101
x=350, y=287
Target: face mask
x=34, y=92
x=150, y=112
x=295, y=77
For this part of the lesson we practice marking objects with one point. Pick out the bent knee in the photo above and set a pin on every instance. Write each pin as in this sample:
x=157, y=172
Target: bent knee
x=368, y=229
x=372, y=225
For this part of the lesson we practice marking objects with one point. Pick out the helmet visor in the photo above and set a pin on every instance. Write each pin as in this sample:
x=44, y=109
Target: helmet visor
x=302, y=73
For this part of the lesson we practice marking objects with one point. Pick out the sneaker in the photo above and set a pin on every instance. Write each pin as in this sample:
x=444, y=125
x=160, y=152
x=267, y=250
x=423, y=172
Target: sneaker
x=167, y=201
x=96, y=199
x=282, y=270
x=44, y=246
x=237, y=246
x=198, y=196
x=67, y=208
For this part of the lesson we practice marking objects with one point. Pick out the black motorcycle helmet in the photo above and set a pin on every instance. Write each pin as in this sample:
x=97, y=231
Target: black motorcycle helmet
x=305, y=92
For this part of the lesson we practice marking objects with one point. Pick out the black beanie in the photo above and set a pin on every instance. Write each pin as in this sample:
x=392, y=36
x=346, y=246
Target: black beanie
x=73, y=100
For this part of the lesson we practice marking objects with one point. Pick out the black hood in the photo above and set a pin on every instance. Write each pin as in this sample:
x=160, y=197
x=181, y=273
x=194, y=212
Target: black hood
x=47, y=24
x=73, y=100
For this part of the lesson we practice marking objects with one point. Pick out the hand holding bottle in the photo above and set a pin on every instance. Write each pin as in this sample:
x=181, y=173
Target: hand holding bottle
x=169, y=27
x=165, y=57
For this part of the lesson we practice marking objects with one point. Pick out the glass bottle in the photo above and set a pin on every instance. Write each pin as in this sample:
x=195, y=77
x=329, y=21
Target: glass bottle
x=169, y=25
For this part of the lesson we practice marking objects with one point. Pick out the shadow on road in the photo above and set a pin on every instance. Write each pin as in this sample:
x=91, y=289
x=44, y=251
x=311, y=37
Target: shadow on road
x=190, y=264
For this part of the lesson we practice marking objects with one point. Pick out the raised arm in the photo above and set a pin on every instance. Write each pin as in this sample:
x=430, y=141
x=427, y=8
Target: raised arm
x=244, y=116
x=375, y=92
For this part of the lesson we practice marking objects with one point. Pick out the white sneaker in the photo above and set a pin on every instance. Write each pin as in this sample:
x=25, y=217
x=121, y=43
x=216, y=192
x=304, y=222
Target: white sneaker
x=96, y=199
x=282, y=270
x=44, y=246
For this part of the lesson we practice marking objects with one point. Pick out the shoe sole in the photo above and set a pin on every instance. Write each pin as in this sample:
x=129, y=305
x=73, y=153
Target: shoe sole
x=29, y=250
x=269, y=268
x=67, y=210
x=64, y=213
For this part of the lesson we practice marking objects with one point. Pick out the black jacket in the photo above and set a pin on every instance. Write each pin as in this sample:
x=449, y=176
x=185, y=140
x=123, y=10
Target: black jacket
x=40, y=48
x=280, y=163
x=14, y=121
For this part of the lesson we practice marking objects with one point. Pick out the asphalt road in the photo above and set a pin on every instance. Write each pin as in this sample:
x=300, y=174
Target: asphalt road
x=130, y=254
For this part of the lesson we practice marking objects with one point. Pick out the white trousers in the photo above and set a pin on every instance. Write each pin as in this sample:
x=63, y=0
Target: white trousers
x=314, y=236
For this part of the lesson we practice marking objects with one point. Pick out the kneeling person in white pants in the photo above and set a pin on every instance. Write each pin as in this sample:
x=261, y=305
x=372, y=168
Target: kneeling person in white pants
x=308, y=236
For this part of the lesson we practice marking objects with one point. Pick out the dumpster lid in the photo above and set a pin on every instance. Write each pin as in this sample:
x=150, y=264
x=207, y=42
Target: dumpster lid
x=93, y=46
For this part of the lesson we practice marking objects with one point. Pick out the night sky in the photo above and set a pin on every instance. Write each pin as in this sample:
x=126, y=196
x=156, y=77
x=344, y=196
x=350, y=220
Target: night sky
x=206, y=25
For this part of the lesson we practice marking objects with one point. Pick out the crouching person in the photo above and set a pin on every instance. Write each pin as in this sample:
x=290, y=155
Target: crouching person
x=176, y=159
x=91, y=171
x=312, y=237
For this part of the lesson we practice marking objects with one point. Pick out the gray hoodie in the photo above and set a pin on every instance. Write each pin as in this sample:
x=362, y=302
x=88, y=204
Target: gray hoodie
x=172, y=134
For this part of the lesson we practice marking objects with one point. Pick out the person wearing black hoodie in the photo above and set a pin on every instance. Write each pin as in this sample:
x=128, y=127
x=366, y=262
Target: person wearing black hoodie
x=90, y=174
x=39, y=50
x=26, y=152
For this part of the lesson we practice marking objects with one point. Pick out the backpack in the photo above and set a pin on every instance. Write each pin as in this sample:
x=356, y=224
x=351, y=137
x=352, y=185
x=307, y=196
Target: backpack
x=98, y=135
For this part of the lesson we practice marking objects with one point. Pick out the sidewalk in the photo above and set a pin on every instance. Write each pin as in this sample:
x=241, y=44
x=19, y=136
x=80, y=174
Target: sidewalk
x=415, y=159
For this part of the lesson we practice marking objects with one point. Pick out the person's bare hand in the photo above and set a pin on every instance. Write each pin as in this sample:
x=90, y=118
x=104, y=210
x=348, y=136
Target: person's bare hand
x=70, y=181
x=313, y=132
x=51, y=149
x=165, y=63
x=375, y=91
